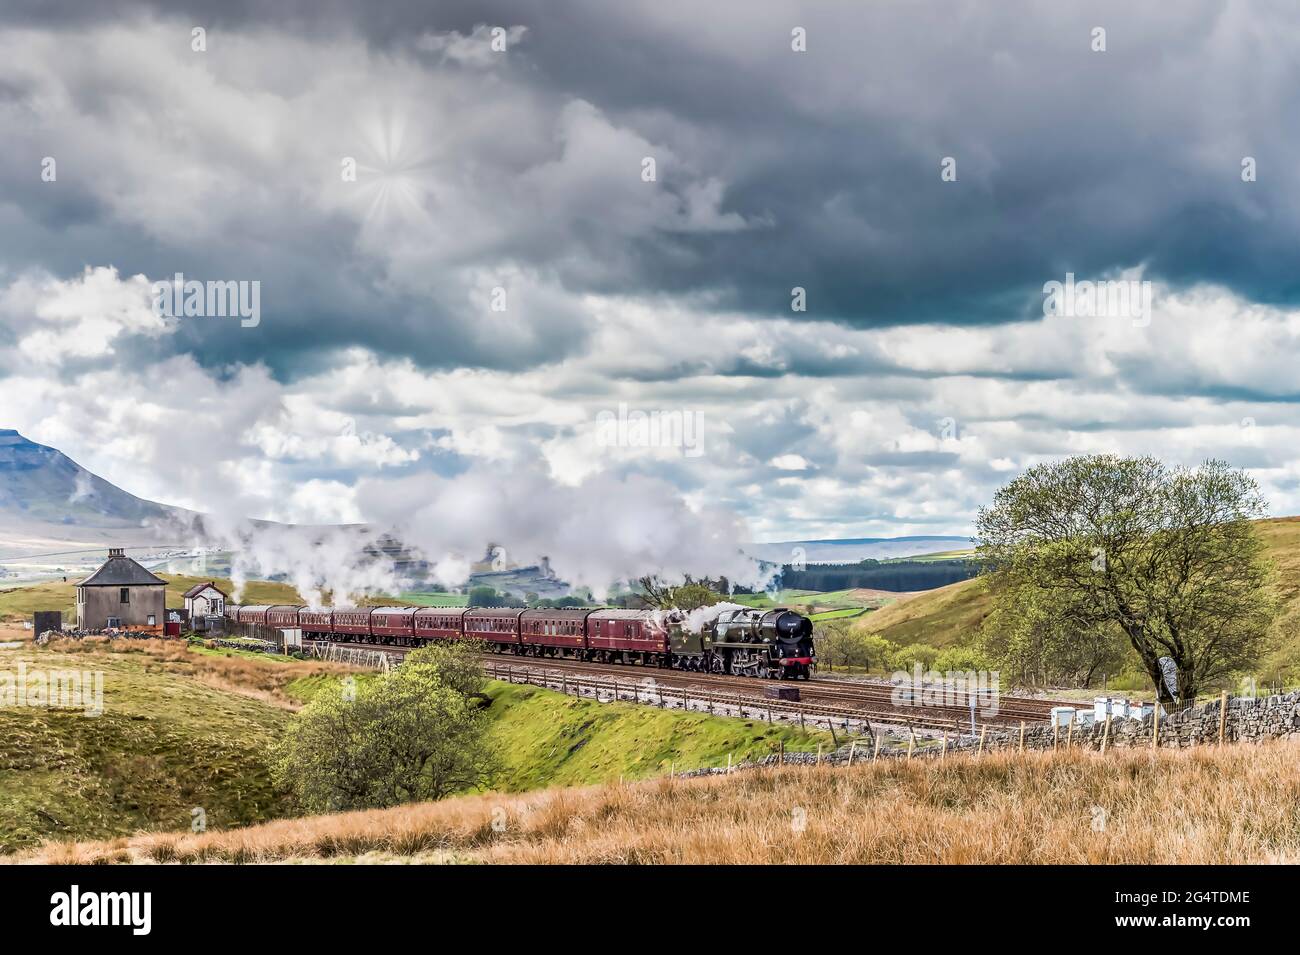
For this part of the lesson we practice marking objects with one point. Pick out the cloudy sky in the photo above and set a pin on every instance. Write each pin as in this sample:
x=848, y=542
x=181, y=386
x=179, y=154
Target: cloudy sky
x=461, y=318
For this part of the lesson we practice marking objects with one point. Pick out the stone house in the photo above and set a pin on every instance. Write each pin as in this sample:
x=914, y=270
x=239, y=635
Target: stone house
x=121, y=595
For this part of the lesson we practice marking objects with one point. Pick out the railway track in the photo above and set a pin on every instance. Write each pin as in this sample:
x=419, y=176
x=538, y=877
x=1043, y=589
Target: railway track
x=828, y=698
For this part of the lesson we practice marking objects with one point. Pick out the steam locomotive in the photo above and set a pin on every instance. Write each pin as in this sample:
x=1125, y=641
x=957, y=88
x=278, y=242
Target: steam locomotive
x=775, y=644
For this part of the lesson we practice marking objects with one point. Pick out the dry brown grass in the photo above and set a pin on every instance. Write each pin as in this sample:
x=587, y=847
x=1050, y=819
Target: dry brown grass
x=1239, y=804
x=263, y=680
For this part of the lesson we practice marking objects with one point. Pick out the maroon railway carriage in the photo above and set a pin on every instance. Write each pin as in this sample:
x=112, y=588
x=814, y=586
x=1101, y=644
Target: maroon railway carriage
x=393, y=624
x=315, y=621
x=498, y=626
x=354, y=621
x=561, y=631
x=619, y=635
x=438, y=623
x=255, y=614
x=282, y=617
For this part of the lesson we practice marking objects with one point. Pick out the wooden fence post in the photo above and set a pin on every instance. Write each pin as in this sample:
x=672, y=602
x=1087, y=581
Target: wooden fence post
x=728, y=764
x=875, y=753
x=1022, y=736
x=911, y=742
x=853, y=748
x=1105, y=734
x=1223, y=716
x=1056, y=734
x=780, y=752
x=819, y=754
x=943, y=753
x=1155, y=725
x=983, y=732
x=1069, y=733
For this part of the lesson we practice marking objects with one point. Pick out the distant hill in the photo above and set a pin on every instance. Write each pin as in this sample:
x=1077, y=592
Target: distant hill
x=41, y=485
x=851, y=550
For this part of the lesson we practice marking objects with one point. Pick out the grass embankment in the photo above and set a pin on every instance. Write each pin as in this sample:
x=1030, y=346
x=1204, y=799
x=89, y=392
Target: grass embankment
x=184, y=727
x=545, y=738
x=549, y=739
x=1237, y=804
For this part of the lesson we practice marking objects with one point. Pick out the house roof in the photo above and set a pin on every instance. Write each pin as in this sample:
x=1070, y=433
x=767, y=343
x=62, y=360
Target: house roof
x=120, y=571
x=199, y=588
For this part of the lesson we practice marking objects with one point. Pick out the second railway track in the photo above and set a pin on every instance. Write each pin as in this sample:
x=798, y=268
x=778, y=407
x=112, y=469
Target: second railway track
x=823, y=697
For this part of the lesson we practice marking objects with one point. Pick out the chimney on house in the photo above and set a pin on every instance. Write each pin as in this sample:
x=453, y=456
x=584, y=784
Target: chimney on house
x=116, y=552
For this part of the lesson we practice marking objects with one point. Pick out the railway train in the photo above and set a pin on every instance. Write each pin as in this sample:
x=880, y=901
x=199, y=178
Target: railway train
x=774, y=643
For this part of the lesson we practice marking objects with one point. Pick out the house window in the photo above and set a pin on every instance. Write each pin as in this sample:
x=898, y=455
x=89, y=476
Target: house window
x=114, y=623
x=153, y=621
x=126, y=595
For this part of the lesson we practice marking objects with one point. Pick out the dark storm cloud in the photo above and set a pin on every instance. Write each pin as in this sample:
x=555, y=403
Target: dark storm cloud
x=1067, y=159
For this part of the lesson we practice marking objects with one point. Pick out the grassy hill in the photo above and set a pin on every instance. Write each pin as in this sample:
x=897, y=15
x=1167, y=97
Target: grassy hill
x=1208, y=805
x=951, y=616
x=169, y=740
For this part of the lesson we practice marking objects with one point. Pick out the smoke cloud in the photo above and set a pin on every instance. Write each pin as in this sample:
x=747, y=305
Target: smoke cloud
x=604, y=530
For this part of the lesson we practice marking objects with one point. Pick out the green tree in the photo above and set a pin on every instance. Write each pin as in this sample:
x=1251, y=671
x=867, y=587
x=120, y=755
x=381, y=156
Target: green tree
x=1166, y=557
x=415, y=734
x=484, y=596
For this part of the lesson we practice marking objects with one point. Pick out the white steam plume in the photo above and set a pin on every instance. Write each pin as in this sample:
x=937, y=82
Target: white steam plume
x=604, y=530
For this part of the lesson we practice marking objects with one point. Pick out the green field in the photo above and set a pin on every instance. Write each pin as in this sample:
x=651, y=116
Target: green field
x=847, y=613
x=419, y=598
x=822, y=601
